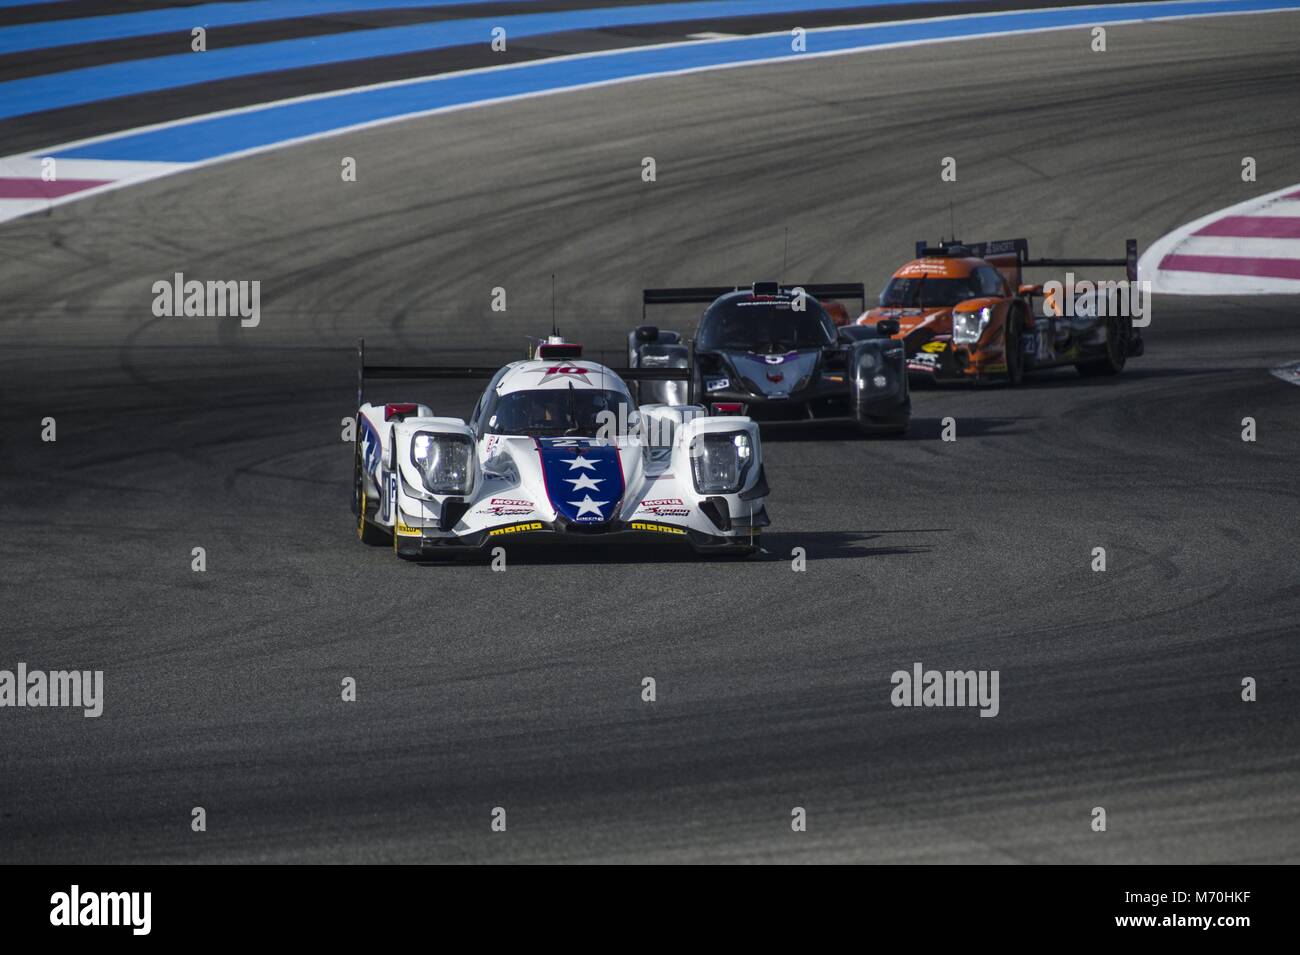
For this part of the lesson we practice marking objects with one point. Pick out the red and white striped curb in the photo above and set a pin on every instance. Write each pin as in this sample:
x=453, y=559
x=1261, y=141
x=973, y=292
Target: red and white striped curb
x=24, y=188
x=1290, y=372
x=1252, y=248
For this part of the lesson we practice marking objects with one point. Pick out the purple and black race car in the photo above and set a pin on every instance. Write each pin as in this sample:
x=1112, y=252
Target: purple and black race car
x=773, y=353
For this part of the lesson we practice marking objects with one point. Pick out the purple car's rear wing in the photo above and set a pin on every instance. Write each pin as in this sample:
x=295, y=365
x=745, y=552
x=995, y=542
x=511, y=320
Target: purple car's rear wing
x=708, y=294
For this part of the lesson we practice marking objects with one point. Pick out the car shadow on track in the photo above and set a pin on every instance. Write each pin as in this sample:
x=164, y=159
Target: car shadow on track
x=1067, y=378
x=563, y=553
x=931, y=429
x=1064, y=377
x=817, y=545
x=838, y=545
x=920, y=429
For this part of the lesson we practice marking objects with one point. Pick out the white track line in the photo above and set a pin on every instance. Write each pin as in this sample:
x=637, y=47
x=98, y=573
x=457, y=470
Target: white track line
x=165, y=169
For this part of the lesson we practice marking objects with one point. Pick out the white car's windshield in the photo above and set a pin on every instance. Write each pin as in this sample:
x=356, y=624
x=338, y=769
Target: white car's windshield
x=555, y=412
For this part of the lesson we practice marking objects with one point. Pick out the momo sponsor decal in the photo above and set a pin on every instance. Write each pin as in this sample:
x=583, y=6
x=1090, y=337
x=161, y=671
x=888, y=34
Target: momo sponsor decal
x=657, y=528
x=649, y=527
x=516, y=528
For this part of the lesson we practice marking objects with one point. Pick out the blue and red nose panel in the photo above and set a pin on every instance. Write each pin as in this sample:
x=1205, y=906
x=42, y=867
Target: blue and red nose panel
x=584, y=479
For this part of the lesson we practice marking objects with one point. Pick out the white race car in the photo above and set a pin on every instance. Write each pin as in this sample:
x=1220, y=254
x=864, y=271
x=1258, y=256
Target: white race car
x=556, y=446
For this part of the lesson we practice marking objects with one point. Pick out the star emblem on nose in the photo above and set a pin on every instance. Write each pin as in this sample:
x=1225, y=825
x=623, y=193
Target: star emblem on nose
x=588, y=506
x=585, y=482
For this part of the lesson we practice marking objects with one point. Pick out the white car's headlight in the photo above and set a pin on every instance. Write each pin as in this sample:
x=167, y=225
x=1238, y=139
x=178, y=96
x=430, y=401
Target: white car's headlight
x=720, y=461
x=967, y=327
x=444, y=461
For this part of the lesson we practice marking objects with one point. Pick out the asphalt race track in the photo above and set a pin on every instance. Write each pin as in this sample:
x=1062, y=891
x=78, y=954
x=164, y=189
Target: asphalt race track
x=522, y=689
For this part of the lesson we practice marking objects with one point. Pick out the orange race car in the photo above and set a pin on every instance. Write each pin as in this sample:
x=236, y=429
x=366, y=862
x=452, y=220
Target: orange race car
x=964, y=314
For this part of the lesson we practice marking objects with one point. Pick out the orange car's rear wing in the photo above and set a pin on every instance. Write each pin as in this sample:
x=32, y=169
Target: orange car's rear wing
x=979, y=250
x=1129, y=263
x=1020, y=249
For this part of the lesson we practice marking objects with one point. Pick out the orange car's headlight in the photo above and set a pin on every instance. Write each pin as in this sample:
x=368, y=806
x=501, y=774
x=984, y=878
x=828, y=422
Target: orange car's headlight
x=967, y=327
